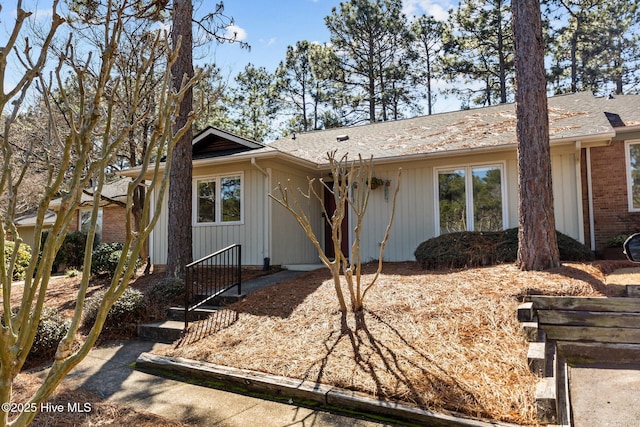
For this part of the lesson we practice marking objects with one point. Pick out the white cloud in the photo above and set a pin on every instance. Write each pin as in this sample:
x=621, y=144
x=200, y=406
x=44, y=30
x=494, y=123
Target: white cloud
x=237, y=32
x=436, y=8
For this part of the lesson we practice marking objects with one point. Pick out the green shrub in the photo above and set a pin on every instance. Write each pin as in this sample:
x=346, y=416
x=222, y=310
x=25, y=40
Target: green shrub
x=22, y=261
x=475, y=248
x=72, y=273
x=51, y=329
x=71, y=252
x=572, y=250
x=105, y=258
x=163, y=294
x=123, y=317
x=168, y=290
x=616, y=241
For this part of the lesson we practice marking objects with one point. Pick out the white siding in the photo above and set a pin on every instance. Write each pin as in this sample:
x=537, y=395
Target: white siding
x=290, y=244
x=415, y=212
x=210, y=238
x=158, y=236
x=414, y=217
x=565, y=200
x=270, y=231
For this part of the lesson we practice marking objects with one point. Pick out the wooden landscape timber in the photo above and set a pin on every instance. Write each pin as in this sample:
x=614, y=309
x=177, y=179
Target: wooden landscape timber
x=576, y=331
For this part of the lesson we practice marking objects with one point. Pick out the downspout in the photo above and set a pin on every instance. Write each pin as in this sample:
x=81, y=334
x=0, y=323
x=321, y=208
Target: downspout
x=266, y=217
x=579, y=193
x=592, y=233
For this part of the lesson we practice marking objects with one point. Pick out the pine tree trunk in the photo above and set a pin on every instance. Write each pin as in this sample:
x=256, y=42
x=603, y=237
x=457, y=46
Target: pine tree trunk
x=180, y=252
x=537, y=247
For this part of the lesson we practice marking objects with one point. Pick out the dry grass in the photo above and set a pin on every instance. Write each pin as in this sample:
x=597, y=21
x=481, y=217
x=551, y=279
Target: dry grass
x=445, y=341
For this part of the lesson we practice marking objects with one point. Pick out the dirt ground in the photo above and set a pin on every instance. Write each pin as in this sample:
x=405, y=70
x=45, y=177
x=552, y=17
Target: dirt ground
x=444, y=340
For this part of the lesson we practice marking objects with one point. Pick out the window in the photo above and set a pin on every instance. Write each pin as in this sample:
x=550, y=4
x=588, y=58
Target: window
x=218, y=200
x=633, y=175
x=85, y=222
x=470, y=198
x=230, y=196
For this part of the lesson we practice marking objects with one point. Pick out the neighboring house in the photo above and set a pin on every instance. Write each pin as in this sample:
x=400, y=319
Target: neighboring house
x=26, y=226
x=111, y=222
x=459, y=171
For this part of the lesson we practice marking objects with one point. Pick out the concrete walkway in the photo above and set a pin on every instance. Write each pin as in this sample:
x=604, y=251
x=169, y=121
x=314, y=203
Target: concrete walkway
x=108, y=372
x=606, y=395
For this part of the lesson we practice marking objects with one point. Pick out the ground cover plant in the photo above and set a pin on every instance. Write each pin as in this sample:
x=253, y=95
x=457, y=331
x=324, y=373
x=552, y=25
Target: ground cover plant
x=482, y=248
x=443, y=340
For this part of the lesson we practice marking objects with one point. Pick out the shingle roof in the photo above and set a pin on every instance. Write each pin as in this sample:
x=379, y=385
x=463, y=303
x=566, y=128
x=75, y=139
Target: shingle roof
x=116, y=191
x=575, y=116
x=29, y=220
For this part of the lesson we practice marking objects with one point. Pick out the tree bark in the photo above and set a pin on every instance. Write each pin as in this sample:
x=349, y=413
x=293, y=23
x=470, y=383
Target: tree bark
x=537, y=247
x=180, y=252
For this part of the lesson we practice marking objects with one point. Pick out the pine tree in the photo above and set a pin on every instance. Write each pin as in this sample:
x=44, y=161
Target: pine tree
x=371, y=41
x=479, y=47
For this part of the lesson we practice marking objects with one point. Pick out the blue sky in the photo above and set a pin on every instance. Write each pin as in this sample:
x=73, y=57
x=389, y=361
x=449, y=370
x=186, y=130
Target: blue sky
x=270, y=27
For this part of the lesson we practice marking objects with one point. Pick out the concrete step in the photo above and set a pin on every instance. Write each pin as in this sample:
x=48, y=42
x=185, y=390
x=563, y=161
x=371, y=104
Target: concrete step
x=167, y=331
x=177, y=313
x=226, y=298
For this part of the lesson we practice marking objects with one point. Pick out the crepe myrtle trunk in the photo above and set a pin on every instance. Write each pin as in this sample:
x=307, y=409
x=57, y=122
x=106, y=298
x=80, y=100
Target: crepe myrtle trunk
x=180, y=252
x=537, y=243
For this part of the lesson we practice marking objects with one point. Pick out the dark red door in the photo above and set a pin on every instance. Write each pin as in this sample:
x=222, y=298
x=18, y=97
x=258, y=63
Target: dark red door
x=330, y=206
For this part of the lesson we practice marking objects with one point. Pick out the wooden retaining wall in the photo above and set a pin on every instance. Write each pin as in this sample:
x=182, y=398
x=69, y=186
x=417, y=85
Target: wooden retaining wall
x=576, y=330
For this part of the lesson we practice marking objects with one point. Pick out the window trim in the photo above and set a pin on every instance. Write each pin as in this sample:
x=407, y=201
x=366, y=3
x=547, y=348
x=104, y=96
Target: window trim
x=99, y=220
x=218, y=202
x=627, y=167
x=468, y=170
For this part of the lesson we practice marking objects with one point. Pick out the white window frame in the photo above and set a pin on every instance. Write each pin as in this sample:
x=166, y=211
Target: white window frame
x=218, y=202
x=468, y=168
x=99, y=221
x=627, y=166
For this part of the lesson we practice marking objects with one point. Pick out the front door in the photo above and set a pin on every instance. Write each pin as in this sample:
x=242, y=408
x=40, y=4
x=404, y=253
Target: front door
x=330, y=206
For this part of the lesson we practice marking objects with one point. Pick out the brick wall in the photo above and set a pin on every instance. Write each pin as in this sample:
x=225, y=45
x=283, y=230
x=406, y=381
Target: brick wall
x=609, y=183
x=113, y=224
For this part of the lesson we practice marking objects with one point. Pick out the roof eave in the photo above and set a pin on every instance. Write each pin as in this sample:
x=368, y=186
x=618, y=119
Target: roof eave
x=591, y=139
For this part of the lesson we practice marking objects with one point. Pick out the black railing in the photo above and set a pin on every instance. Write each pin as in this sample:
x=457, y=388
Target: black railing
x=210, y=276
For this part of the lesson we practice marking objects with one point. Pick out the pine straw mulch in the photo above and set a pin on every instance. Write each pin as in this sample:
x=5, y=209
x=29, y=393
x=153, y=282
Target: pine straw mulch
x=443, y=341
x=62, y=295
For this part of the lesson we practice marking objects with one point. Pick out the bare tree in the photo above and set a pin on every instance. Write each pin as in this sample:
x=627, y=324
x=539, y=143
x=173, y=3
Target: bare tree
x=537, y=241
x=82, y=151
x=350, y=189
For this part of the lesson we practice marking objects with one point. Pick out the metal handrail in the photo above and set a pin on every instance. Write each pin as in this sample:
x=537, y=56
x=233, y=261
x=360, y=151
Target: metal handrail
x=210, y=276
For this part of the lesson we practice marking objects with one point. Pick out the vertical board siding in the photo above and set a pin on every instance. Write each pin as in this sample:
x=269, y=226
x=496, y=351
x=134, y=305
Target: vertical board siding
x=211, y=238
x=565, y=204
x=414, y=221
x=290, y=244
x=159, y=236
